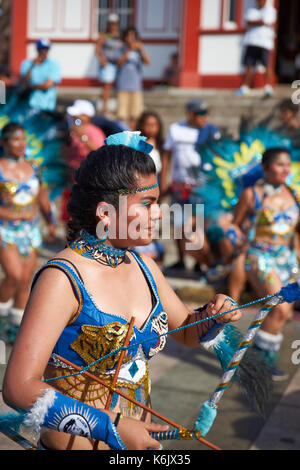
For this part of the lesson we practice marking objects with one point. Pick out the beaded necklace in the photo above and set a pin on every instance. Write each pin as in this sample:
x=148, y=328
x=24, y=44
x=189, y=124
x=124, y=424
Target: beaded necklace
x=91, y=247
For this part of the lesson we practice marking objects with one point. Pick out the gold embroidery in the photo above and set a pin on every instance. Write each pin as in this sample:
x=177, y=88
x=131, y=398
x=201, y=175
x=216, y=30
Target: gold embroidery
x=8, y=187
x=97, y=341
x=89, y=391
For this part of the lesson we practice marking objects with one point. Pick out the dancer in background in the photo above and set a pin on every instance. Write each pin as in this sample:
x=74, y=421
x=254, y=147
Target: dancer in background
x=21, y=195
x=271, y=260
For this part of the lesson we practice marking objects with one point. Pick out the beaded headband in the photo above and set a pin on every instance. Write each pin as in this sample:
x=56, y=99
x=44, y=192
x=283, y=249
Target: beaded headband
x=137, y=142
x=123, y=192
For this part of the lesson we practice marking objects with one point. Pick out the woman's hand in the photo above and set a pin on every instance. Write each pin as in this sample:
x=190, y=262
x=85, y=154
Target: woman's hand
x=222, y=303
x=135, y=434
x=78, y=130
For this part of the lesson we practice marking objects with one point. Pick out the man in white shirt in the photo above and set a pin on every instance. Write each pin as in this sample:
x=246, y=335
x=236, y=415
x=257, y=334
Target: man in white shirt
x=259, y=42
x=181, y=150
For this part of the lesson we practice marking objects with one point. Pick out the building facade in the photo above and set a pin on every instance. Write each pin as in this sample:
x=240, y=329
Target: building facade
x=207, y=34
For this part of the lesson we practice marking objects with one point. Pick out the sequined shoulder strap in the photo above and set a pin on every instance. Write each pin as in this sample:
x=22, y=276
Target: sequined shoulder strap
x=257, y=202
x=296, y=195
x=73, y=275
x=146, y=271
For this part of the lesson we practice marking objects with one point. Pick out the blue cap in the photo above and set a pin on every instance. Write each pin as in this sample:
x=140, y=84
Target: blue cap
x=197, y=106
x=43, y=44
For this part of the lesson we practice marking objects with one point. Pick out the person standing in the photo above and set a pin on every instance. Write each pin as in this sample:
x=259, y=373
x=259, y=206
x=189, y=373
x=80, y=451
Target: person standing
x=150, y=125
x=107, y=50
x=129, y=83
x=258, y=42
x=83, y=137
x=181, y=148
x=40, y=77
x=22, y=194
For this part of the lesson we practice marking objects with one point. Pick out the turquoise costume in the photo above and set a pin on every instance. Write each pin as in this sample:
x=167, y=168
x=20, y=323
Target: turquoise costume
x=269, y=257
x=20, y=197
x=93, y=333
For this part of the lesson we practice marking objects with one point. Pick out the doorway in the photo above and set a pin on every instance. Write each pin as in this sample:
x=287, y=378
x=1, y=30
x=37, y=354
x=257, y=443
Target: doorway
x=288, y=41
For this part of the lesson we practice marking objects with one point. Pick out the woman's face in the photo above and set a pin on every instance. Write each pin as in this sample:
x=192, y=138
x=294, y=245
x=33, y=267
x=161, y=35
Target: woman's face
x=279, y=169
x=151, y=127
x=130, y=37
x=137, y=216
x=114, y=28
x=15, y=145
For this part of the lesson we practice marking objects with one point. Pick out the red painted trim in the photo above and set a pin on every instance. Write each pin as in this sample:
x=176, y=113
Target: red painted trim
x=161, y=41
x=220, y=81
x=80, y=82
x=18, y=34
x=230, y=81
x=93, y=82
x=189, y=54
x=204, y=81
x=240, y=13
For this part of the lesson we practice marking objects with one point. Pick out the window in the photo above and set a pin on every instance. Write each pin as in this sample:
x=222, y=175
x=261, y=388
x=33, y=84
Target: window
x=124, y=8
x=230, y=14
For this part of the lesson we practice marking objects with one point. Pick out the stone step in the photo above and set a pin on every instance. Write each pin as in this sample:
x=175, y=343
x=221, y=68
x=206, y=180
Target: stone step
x=226, y=109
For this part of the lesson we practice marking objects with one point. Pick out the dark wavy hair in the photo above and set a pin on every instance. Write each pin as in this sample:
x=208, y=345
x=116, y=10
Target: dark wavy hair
x=99, y=177
x=10, y=129
x=141, y=126
x=271, y=155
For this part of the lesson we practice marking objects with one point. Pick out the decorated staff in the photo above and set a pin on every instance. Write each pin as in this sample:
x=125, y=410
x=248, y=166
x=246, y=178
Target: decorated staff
x=208, y=412
x=291, y=293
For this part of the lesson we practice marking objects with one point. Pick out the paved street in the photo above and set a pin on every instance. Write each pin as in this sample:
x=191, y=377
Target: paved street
x=182, y=379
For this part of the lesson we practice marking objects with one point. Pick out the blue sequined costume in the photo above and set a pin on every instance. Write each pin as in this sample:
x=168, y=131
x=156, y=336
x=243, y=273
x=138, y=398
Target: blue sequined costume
x=268, y=257
x=26, y=235
x=92, y=333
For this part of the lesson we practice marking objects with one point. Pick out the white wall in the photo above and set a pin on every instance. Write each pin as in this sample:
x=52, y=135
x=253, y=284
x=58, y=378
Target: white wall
x=79, y=60
x=220, y=54
x=76, y=60
x=64, y=19
x=159, y=55
x=210, y=14
x=74, y=20
x=159, y=18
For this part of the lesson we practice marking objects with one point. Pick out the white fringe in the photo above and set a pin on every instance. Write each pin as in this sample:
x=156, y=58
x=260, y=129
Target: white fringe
x=214, y=336
x=35, y=417
x=267, y=341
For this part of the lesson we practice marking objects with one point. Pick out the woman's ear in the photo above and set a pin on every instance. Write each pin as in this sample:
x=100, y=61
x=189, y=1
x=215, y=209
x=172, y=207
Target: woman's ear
x=106, y=216
x=102, y=212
